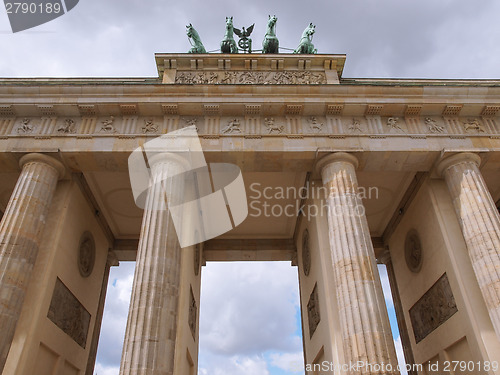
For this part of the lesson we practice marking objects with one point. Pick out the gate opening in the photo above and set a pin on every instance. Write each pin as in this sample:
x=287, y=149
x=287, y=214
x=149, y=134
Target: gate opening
x=250, y=320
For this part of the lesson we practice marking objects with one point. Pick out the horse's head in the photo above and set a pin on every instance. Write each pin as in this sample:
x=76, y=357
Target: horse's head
x=229, y=21
x=272, y=20
x=310, y=29
x=189, y=30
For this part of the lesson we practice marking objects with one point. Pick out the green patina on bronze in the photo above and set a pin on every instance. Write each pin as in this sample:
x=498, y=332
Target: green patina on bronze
x=194, y=39
x=245, y=43
x=271, y=43
x=305, y=45
x=228, y=44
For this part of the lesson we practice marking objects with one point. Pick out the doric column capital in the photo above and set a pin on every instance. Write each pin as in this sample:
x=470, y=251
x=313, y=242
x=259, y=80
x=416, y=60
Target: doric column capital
x=385, y=256
x=336, y=157
x=112, y=259
x=463, y=157
x=45, y=159
x=166, y=157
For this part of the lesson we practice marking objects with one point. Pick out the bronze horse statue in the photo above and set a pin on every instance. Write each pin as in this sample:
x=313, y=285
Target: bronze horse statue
x=305, y=45
x=194, y=39
x=228, y=44
x=271, y=43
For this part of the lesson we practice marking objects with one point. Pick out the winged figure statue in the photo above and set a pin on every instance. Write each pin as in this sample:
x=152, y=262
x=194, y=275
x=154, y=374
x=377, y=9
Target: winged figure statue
x=245, y=43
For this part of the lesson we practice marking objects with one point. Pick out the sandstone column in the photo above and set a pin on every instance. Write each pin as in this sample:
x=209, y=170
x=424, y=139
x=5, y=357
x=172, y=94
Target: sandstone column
x=366, y=331
x=480, y=223
x=21, y=231
x=152, y=321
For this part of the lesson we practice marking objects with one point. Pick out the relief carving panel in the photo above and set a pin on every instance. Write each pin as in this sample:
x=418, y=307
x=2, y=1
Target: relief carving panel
x=313, y=315
x=68, y=314
x=306, y=253
x=214, y=123
x=251, y=78
x=435, y=307
x=193, y=313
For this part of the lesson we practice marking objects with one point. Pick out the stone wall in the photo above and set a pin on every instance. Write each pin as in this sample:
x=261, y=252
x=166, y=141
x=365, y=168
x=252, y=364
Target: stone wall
x=50, y=339
x=445, y=322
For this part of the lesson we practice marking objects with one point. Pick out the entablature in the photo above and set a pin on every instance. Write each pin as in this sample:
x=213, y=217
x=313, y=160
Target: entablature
x=255, y=121
x=255, y=69
x=247, y=105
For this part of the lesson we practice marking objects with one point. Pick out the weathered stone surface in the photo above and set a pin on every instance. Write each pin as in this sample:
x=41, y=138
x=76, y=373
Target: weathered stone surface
x=193, y=313
x=249, y=77
x=313, y=312
x=480, y=223
x=197, y=259
x=86, y=254
x=396, y=127
x=69, y=314
x=413, y=251
x=20, y=234
x=435, y=307
x=366, y=332
x=306, y=253
x=150, y=336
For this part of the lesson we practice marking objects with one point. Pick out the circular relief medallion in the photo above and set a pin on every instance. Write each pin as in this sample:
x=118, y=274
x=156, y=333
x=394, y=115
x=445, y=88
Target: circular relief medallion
x=86, y=254
x=413, y=251
x=197, y=253
x=306, y=253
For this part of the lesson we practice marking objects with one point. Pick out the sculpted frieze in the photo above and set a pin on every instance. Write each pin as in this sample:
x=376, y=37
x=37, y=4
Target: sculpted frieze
x=313, y=311
x=26, y=127
x=433, y=309
x=68, y=127
x=214, y=125
x=69, y=314
x=286, y=77
x=108, y=125
x=315, y=125
x=193, y=313
x=432, y=126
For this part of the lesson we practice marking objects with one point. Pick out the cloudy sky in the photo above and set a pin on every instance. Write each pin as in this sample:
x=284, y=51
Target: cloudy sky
x=381, y=38
x=249, y=322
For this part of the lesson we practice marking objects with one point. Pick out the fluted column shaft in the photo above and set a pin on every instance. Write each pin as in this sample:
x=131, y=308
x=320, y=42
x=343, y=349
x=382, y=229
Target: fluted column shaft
x=151, y=327
x=480, y=223
x=21, y=231
x=366, y=331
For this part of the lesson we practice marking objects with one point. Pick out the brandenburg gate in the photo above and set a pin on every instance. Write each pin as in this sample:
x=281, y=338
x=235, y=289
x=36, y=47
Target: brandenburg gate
x=427, y=150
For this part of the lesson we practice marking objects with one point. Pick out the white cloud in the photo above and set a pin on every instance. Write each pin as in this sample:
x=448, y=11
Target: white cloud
x=249, y=308
x=236, y=365
x=106, y=370
x=115, y=316
x=290, y=362
x=387, y=38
